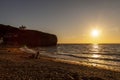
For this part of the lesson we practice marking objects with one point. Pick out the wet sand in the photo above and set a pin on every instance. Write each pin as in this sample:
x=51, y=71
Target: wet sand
x=18, y=65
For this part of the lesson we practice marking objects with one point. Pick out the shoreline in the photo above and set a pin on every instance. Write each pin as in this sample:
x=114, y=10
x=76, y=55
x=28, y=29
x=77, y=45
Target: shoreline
x=86, y=64
x=17, y=65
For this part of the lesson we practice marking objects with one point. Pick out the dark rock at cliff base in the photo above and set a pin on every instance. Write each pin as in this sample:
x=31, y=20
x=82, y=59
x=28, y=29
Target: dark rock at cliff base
x=18, y=37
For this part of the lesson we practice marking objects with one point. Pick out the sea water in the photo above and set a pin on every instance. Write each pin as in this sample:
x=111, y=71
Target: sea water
x=97, y=55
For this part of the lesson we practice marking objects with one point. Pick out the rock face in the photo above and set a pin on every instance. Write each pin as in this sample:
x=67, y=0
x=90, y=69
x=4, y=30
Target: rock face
x=19, y=37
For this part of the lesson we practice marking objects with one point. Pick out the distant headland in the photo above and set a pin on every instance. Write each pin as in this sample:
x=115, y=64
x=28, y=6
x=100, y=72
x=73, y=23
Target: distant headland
x=13, y=36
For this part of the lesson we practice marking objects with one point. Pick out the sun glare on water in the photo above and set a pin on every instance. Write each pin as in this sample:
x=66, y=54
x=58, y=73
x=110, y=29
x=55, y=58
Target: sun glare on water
x=95, y=56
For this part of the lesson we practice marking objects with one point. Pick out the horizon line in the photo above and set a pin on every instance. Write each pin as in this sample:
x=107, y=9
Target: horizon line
x=88, y=43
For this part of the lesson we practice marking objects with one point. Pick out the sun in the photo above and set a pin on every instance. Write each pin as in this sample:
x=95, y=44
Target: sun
x=95, y=33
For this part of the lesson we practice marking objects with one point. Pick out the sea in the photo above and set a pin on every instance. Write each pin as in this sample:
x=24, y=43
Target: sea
x=105, y=56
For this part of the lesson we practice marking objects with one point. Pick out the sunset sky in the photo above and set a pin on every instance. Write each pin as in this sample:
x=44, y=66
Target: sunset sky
x=73, y=21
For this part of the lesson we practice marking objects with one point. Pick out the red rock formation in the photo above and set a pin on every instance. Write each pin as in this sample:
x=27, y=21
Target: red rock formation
x=15, y=36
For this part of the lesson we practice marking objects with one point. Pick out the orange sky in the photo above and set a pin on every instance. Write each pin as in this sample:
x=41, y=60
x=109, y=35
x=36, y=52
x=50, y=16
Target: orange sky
x=71, y=20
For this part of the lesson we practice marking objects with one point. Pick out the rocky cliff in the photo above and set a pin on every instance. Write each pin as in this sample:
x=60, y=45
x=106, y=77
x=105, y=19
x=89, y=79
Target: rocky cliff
x=18, y=37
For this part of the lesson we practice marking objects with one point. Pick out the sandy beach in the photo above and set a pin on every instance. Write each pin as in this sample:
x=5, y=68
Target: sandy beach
x=17, y=65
